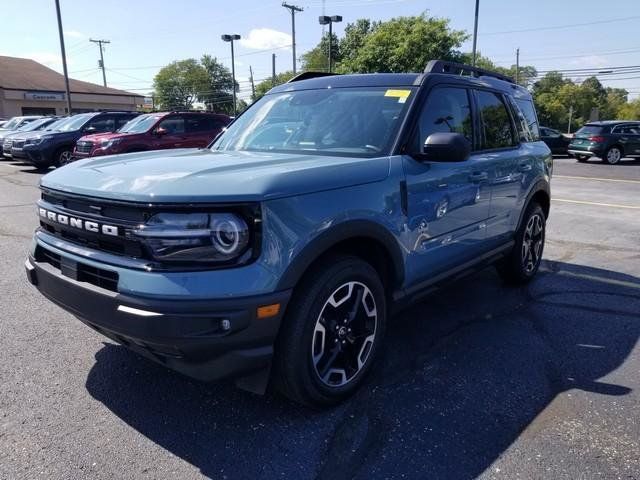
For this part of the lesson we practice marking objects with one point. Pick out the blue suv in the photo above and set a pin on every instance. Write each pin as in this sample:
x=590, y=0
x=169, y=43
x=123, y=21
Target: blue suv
x=277, y=254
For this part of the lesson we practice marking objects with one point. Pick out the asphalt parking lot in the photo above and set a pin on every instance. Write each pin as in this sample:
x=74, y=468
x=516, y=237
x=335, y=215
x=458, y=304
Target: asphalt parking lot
x=480, y=380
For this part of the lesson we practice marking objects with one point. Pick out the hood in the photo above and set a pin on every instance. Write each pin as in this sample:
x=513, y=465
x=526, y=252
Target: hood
x=37, y=133
x=194, y=175
x=99, y=137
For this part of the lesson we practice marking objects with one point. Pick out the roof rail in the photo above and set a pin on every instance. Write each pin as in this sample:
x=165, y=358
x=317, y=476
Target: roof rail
x=442, y=66
x=308, y=75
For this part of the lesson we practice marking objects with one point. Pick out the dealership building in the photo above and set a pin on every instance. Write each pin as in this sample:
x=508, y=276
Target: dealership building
x=29, y=88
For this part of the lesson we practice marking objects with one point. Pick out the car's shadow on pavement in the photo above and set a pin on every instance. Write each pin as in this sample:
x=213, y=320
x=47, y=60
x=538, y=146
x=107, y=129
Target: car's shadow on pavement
x=462, y=374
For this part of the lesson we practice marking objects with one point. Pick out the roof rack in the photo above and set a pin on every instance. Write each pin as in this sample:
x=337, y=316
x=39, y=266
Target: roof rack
x=308, y=75
x=442, y=66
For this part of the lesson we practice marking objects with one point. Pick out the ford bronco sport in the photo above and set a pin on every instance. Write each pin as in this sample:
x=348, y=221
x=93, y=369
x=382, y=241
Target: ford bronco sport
x=278, y=253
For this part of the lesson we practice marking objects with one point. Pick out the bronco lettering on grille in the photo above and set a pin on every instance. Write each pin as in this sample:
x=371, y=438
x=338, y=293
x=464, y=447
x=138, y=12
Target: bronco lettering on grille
x=79, y=223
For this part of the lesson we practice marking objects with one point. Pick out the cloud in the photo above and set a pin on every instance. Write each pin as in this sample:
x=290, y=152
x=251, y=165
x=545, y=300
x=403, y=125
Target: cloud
x=73, y=34
x=265, y=38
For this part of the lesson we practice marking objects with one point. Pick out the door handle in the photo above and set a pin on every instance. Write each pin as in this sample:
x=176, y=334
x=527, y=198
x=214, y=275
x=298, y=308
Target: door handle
x=478, y=177
x=525, y=167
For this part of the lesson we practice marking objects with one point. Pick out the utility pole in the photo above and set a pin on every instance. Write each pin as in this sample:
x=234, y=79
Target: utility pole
x=101, y=62
x=253, y=86
x=475, y=32
x=293, y=9
x=518, y=66
x=273, y=69
x=64, y=57
x=570, y=115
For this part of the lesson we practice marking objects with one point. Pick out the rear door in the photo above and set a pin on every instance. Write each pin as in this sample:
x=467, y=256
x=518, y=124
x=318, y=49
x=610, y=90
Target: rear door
x=197, y=130
x=628, y=136
x=500, y=147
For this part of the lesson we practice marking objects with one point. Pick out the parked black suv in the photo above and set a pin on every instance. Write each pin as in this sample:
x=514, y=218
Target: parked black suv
x=56, y=147
x=611, y=141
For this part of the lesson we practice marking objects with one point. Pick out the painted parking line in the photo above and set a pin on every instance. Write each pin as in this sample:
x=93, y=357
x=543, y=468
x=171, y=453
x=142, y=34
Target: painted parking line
x=598, y=204
x=619, y=180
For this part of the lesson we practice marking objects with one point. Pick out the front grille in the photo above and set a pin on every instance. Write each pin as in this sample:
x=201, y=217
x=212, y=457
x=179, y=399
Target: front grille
x=17, y=143
x=84, y=146
x=103, y=213
x=79, y=271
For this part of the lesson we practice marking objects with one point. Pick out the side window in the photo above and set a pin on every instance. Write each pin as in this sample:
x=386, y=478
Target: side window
x=496, y=123
x=121, y=121
x=198, y=123
x=528, y=111
x=173, y=125
x=103, y=124
x=446, y=110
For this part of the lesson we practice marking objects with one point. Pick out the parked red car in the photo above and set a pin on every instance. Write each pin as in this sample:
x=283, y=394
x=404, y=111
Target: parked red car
x=155, y=131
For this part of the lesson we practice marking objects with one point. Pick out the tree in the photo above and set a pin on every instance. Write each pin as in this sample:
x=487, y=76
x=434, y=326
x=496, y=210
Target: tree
x=629, y=110
x=266, y=85
x=355, y=35
x=317, y=59
x=403, y=44
x=218, y=95
x=179, y=84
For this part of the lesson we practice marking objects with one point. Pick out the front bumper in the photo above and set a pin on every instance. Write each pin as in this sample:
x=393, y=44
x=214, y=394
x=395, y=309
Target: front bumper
x=36, y=155
x=204, y=339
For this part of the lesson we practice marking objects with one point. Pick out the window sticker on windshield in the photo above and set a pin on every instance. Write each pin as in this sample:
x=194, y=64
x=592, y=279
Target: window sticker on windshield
x=401, y=95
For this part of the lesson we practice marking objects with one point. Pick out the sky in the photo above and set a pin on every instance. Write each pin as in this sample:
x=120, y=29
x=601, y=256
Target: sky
x=147, y=34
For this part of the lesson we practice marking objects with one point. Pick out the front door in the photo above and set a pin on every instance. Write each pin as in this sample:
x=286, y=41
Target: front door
x=629, y=138
x=448, y=202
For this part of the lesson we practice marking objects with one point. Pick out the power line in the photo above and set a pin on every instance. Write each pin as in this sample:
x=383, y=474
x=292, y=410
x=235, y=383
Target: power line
x=558, y=27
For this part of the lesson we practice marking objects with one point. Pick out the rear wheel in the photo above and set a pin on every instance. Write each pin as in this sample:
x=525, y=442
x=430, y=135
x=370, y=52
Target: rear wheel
x=582, y=158
x=332, y=332
x=524, y=260
x=613, y=155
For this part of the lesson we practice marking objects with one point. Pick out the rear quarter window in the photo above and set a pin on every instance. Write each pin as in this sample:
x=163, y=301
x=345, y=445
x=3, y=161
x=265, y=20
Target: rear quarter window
x=527, y=120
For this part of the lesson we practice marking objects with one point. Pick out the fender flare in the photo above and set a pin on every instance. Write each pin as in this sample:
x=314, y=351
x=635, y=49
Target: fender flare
x=329, y=238
x=541, y=185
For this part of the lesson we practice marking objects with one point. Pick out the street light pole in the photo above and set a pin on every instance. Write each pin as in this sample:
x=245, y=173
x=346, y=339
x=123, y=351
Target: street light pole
x=293, y=9
x=330, y=20
x=231, y=38
x=64, y=57
x=475, y=32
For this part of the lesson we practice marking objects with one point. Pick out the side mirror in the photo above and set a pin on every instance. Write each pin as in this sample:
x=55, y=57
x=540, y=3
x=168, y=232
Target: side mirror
x=161, y=131
x=446, y=147
x=90, y=129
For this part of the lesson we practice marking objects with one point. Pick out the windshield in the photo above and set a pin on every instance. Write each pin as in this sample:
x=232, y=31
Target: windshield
x=11, y=124
x=76, y=122
x=35, y=125
x=140, y=124
x=342, y=121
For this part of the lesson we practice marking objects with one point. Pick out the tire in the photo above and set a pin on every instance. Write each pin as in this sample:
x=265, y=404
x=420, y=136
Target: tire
x=63, y=157
x=613, y=155
x=523, y=262
x=321, y=313
x=582, y=158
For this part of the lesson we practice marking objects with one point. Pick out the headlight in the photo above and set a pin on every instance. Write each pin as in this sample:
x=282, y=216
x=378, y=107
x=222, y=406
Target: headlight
x=37, y=140
x=110, y=143
x=196, y=237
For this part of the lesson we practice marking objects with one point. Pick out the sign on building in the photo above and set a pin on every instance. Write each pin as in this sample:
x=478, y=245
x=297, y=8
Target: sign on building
x=44, y=96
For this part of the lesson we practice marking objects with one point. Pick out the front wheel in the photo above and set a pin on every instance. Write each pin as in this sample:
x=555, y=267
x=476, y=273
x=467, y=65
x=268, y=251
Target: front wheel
x=332, y=333
x=64, y=157
x=521, y=265
x=613, y=155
